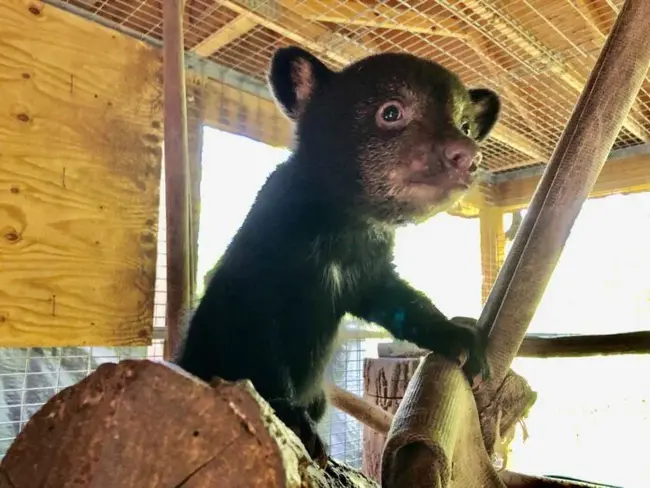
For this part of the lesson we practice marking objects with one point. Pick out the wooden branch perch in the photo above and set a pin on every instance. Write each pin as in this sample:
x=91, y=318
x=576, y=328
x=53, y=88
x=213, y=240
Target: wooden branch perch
x=147, y=424
x=560, y=346
x=436, y=439
x=143, y=424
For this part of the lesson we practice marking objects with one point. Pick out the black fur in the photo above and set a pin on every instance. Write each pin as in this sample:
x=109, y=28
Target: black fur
x=318, y=240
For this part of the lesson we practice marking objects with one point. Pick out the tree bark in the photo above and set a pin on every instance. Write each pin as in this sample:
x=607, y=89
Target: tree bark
x=384, y=383
x=146, y=424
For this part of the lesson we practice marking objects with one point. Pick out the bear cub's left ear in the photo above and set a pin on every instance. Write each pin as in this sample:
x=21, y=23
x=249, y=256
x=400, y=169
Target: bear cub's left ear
x=294, y=76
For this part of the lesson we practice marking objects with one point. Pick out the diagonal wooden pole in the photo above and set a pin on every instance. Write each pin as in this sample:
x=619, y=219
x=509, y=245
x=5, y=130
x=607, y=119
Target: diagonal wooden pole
x=570, y=175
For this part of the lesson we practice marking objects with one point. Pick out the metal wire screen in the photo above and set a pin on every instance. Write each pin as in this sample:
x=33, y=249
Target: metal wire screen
x=340, y=431
x=536, y=53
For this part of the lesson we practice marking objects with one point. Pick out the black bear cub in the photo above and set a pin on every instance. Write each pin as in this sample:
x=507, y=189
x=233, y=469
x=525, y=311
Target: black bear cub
x=389, y=140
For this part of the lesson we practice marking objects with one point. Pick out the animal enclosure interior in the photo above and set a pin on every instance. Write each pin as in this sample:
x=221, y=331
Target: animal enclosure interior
x=81, y=182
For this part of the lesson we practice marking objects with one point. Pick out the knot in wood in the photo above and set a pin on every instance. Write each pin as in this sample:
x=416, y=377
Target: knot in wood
x=12, y=235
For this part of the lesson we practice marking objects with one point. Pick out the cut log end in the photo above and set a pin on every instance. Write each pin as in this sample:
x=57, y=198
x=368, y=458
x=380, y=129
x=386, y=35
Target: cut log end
x=140, y=423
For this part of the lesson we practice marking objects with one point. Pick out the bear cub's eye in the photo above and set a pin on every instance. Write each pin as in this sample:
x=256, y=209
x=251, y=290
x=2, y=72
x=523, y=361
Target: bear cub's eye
x=390, y=114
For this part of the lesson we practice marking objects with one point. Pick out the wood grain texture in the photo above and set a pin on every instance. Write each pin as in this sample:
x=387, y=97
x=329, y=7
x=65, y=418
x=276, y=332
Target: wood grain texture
x=80, y=155
x=144, y=424
x=385, y=382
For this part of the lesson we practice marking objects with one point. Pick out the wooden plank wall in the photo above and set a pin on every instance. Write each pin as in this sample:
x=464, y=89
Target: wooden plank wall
x=80, y=155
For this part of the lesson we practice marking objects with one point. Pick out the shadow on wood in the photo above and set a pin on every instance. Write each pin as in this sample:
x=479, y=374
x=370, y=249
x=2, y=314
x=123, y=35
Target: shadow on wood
x=143, y=424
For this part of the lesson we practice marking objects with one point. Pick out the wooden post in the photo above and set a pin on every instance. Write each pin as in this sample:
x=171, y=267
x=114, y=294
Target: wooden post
x=493, y=245
x=195, y=121
x=176, y=175
x=385, y=381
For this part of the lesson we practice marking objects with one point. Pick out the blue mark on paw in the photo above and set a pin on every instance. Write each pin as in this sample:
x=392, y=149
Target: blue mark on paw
x=399, y=318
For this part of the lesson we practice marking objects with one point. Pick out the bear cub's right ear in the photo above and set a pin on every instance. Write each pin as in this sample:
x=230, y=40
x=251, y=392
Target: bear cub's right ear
x=294, y=76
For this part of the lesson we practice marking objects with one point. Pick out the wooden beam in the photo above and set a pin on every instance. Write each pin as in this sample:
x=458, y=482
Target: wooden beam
x=314, y=37
x=177, y=177
x=625, y=175
x=195, y=103
x=224, y=36
x=544, y=346
x=377, y=16
x=504, y=29
x=80, y=160
x=595, y=14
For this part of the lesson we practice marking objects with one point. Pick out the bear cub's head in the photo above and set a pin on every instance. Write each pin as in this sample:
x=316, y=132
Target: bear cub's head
x=395, y=134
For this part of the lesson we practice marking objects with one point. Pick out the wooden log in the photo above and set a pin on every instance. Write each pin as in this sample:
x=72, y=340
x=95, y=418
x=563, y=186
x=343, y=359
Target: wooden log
x=140, y=423
x=378, y=420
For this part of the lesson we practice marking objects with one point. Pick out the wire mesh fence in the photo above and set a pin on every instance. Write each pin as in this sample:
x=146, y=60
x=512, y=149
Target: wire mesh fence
x=537, y=54
x=29, y=377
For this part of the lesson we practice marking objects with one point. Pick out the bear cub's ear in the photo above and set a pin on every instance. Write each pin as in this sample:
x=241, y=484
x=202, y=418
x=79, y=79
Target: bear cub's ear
x=294, y=76
x=487, y=107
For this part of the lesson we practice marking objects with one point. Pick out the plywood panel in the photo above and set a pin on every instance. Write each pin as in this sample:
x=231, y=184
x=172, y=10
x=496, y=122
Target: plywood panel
x=80, y=150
